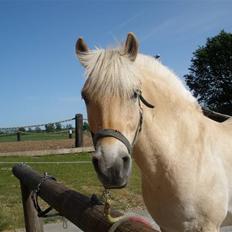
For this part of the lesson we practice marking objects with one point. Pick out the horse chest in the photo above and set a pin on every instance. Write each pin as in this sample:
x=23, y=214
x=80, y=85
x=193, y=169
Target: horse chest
x=180, y=209
x=162, y=202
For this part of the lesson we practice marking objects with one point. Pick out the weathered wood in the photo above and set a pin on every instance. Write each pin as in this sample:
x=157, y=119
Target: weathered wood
x=49, y=152
x=78, y=130
x=74, y=206
x=18, y=136
x=32, y=222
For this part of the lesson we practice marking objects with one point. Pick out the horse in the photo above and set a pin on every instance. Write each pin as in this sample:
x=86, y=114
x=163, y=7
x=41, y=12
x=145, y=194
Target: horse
x=138, y=107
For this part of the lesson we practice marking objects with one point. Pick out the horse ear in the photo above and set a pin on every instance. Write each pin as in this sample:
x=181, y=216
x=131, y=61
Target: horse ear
x=81, y=46
x=131, y=46
x=81, y=49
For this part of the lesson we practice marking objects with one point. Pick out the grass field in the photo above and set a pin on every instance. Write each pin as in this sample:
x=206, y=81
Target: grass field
x=33, y=136
x=80, y=177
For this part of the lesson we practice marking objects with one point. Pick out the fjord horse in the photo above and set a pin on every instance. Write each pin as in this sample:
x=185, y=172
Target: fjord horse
x=138, y=108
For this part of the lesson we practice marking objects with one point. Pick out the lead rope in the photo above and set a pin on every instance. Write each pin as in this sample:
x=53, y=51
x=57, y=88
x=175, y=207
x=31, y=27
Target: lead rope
x=107, y=207
x=117, y=221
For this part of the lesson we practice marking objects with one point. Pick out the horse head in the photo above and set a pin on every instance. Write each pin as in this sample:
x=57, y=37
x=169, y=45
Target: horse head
x=112, y=94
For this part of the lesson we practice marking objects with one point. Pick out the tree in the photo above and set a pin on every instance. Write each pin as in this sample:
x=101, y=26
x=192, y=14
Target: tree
x=58, y=126
x=22, y=129
x=38, y=129
x=85, y=126
x=69, y=126
x=210, y=73
x=50, y=127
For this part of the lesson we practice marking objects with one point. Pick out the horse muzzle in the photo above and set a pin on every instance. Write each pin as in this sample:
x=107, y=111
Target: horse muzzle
x=113, y=176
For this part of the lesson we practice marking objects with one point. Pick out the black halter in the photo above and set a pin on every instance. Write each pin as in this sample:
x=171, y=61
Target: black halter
x=117, y=134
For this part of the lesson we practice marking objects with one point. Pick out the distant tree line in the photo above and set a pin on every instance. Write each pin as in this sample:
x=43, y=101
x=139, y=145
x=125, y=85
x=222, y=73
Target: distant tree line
x=50, y=127
x=54, y=127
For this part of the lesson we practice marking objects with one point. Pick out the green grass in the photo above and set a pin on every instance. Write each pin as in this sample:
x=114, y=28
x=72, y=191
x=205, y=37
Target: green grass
x=35, y=136
x=80, y=177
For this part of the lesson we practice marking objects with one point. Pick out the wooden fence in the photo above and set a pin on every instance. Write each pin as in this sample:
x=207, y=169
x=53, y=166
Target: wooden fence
x=78, y=208
x=78, y=130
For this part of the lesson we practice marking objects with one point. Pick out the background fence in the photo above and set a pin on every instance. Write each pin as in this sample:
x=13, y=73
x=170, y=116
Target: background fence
x=69, y=133
x=72, y=128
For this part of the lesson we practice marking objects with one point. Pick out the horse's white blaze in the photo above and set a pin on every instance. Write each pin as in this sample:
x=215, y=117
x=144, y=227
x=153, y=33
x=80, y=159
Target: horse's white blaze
x=184, y=157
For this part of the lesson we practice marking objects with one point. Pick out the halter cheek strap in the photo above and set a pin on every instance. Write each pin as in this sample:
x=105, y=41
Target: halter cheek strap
x=145, y=102
x=117, y=134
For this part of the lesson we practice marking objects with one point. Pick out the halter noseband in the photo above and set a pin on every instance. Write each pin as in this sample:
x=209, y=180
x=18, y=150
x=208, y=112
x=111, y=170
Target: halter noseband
x=117, y=134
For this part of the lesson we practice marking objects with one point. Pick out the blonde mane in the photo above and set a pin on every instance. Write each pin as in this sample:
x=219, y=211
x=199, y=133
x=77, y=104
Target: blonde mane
x=164, y=77
x=110, y=73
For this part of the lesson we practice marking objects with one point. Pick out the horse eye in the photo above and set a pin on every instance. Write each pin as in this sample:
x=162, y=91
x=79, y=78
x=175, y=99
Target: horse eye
x=135, y=95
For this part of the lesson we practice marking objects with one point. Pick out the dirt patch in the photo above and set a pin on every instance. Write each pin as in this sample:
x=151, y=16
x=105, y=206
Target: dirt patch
x=42, y=145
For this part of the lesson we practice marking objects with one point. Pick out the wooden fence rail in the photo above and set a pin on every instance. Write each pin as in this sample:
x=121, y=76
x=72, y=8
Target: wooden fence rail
x=77, y=208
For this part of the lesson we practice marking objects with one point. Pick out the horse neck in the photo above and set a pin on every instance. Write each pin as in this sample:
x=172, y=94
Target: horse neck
x=171, y=125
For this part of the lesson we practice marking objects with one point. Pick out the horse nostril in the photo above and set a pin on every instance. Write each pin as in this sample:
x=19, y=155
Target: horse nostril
x=126, y=162
x=125, y=159
x=95, y=164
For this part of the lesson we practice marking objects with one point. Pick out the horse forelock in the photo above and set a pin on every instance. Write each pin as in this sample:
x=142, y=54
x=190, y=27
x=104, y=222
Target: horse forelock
x=109, y=73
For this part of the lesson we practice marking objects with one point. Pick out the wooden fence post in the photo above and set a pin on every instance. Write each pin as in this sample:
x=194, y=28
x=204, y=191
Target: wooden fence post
x=18, y=133
x=32, y=222
x=78, y=130
x=84, y=212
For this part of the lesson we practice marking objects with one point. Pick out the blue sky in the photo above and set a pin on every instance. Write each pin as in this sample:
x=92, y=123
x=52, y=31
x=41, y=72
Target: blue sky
x=40, y=77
